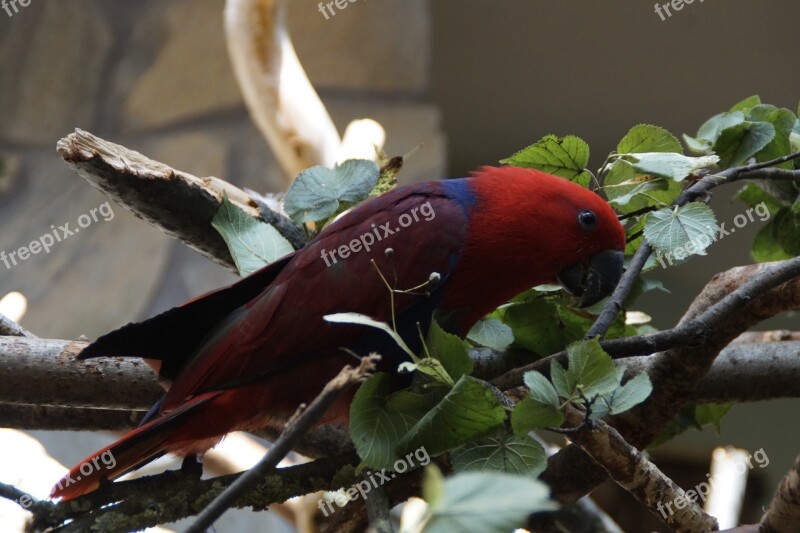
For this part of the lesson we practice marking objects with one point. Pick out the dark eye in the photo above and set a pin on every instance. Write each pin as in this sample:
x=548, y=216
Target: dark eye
x=587, y=219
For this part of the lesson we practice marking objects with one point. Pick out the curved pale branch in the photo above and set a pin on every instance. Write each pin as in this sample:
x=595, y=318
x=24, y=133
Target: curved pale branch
x=276, y=90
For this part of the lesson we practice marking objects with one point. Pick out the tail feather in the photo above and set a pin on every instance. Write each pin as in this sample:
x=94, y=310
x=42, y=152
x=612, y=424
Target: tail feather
x=140, y=446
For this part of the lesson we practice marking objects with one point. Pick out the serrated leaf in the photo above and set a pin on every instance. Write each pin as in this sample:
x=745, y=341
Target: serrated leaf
x=693, y=416
x=561, y=156
x=787, y=231
x=492, y=333
x=648, y=138
x=435, y=370
x=630, y=192
x=766, y=247
x=319, y=192
x=756, y=197
x=503, y=453
x=530, y=414
x=558, y=376
x=252, y=243
x=680, y=232
x=537, y=326
x=634, y=392
x=364, y=320
x=489, y=502
x=470, y=410
x=377, y=425
x=450, y=350
x=747, y=104
x=541, y=389
x=711, y=128
x=672, y=166
x=737, y=144
x=590, y=368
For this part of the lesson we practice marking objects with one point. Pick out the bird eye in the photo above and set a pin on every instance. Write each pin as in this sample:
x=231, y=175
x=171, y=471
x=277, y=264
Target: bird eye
x=587, y=219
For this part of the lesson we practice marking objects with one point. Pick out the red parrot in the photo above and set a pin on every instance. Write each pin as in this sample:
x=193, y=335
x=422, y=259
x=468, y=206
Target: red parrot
x=245, y=356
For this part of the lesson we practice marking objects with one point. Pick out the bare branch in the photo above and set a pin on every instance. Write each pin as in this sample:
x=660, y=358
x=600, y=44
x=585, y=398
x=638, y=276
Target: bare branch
x=298, y=426
x=179, y=204
x=281, y=100
x=635, y=473
x=783, y=513
x=12, y=329
x=695, y=191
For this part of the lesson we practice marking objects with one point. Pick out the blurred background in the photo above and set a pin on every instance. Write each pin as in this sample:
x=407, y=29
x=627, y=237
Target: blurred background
x=472, y=81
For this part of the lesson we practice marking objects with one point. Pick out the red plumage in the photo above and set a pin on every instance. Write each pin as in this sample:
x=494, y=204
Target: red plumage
x=249, y=354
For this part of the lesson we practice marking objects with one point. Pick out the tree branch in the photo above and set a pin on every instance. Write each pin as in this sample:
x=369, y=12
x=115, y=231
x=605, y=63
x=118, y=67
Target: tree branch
x=675, y=373
x=299, y=425
x=179, y=204
x=695, y=191
x=783, y=513
x=281, y=100
x=631, y=470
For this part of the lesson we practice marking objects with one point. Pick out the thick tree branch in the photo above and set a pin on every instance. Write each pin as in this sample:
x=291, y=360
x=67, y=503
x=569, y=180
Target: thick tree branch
x=635, y=473
x=179, y=204
x=297, y=427
x=12, y=329
x=675, y=373
x=783, y=513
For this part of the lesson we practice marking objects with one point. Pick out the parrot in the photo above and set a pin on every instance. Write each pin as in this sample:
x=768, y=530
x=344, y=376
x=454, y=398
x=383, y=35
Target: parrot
x=246, y=356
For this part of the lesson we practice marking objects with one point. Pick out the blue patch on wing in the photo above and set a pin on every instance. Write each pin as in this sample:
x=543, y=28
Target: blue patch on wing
x=460, y=191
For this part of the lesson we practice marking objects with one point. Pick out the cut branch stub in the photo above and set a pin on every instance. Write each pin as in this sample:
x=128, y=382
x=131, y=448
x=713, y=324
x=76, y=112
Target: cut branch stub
x=178, y=203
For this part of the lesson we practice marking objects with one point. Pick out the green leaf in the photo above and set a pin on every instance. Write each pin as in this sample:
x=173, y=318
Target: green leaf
x=558, y=375
x=713, y=127
x=489, y=502
x=755, y=196
x=677, y=233
x=538, y=327
x=470, y=410
x=787, y=228
x=492, y=333
x=450, y=350
x=634, y=392
x=530, y=414
x=590, y=369
x=766, y=246
x=541, y=389
x=747, y=104
x=631, y=192
x=252, y=242
x=319, y=192
x=693, y=416
x=503, y=453
x=737, y=144
x=783, y=121
x=561, y=156
x=364, y=320
x=668, y=165
x=433, y=368
x=377, y=424
x=648, y=138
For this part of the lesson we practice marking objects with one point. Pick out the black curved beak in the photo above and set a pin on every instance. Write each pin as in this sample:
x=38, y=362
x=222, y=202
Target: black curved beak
x=593, y=280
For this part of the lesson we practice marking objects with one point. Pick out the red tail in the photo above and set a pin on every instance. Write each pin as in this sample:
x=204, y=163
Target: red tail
x=135, y=449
